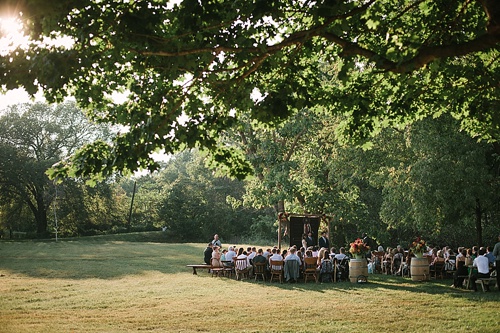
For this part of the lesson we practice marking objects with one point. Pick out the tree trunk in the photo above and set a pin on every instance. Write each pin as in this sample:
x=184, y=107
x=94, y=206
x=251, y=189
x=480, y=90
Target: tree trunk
x=479, y=226
x=40, y=213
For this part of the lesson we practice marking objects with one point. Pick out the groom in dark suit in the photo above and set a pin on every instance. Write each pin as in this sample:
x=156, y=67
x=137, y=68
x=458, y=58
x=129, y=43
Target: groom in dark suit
x=323, y=241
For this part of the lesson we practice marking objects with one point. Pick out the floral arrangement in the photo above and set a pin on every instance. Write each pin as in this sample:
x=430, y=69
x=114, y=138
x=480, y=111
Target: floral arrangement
x=418, y=246
x=358, y=247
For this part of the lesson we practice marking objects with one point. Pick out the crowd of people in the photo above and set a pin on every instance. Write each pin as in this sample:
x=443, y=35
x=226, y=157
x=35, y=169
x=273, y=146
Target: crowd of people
x=475, y=262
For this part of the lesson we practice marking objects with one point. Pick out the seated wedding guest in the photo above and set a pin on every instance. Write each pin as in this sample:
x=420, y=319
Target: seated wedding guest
x=244, y=266
x=230, y=255
x=475, y=251
x=223, y=255
x=326, y=268
x=315, y=251
x=301, y=256
x=284, y=254
x=483, y=270
x=252, y=253
x=469, y=257
x=459, y=252
x=308, y=254
x=439, y=257
x=292, y=271
x=397, y=260
x=292, y=255
x=259, y=257
x=461, y=270
x=216, y=257
x=446, y=252
x=267, y=253
x=207, y=254
x=450, y=260
x=387, y=260
x=276, y=256
x=341, y=255
x=320, y=255
x=489, y=255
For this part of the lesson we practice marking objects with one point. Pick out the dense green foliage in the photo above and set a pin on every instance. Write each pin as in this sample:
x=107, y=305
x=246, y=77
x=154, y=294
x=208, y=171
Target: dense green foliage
x=32, y=138
x=212, y=60
x=429, y=180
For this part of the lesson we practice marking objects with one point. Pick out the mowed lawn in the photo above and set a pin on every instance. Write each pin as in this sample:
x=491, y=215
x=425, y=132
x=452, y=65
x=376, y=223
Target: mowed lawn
x=106, y=284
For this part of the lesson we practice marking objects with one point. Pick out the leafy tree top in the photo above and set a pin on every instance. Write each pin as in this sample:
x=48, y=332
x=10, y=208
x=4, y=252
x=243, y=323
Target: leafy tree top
x=189, y=68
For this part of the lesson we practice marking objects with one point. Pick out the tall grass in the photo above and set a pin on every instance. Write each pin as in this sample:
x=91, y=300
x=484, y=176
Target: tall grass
x=101, y=284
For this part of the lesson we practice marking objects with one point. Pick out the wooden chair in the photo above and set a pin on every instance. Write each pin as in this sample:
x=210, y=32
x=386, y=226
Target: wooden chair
x=216, y=269
x=437, y=270
x=228, y=267
x=377, y=260
x=450, y=266
x=387, y=265
x=310, y=266
x=276, y=268
x=486, y=283
x=259, y=269
x=292, y=270
x=242, y=268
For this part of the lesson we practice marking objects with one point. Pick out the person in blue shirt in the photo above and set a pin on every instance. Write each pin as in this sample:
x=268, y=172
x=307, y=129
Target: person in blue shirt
x=489, y=255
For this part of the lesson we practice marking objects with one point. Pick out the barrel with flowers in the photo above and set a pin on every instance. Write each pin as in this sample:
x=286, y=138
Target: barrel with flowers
x=419, y=266
x=358, y=267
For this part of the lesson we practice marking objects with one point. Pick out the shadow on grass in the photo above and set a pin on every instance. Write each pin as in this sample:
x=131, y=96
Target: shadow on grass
x=96, y=259
x=382, y=283
x=99, y=258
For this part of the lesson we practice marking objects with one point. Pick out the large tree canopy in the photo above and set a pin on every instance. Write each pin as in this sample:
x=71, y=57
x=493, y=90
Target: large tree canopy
x=190, y=68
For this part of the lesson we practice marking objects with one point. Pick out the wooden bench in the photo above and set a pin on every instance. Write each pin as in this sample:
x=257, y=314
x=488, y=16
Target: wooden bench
x=486, y=282
x=201, y=266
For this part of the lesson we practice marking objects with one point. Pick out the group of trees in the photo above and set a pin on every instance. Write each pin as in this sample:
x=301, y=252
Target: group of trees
x=368, y=111
x=185, y=196
x=429, y=180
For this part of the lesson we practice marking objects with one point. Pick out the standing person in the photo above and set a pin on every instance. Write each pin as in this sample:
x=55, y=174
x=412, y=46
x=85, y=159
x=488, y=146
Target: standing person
x=496, y=253
x=309, y=240
x=324, y=242
x=207, y=254
x=216, y=241
x=304, y=241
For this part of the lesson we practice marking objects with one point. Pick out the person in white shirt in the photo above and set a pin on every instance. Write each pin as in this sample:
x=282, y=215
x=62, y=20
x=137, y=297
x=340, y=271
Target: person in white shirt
x=216, y=241
x=292, y=255
x=241, y=266
x=230, y=255
x=341, y=255
x=266, y=253
x=276, y=255
x=252, y=251
x=483, y=269
x=292, y=270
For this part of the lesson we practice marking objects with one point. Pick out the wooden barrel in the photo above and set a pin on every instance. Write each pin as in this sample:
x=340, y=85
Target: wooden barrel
x=358, y=267
x=419, y=269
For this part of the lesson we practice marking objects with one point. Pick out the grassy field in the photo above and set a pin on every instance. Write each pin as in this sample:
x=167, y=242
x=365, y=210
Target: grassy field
x=126, y=284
